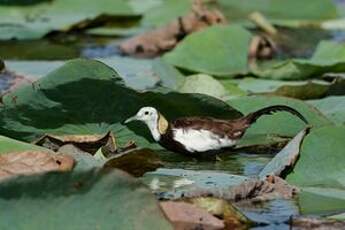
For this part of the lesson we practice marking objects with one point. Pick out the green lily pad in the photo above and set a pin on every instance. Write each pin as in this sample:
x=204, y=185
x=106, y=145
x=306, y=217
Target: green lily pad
x=320, y=171
x=280, y=123
x=205, y=84
x=328, y=58
x=85, y=200
x=218, y=50
x=35, y=21
x=279, y=11
x=333, y=107
x=8, y=145
x=165, y=12
x=295, y=89
x=88, y=97
x=340, y=216
x=141, y=7
x=136, y=73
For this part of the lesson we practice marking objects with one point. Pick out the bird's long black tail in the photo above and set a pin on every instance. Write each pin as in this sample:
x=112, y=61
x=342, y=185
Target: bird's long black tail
x=252, y=117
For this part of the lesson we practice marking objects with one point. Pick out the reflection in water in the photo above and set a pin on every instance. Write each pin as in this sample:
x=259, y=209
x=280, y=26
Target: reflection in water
x=232, y=163
x=272, y=214
x=176, y=177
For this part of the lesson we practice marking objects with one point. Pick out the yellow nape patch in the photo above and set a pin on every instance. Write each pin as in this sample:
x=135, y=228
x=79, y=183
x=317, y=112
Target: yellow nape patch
x=162, y=124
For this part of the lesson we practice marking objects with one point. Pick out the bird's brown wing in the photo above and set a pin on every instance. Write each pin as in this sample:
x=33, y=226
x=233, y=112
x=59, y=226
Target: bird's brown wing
x=232, y=129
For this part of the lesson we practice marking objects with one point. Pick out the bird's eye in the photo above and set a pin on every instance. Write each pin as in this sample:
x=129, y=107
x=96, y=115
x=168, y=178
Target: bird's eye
x=146, y=113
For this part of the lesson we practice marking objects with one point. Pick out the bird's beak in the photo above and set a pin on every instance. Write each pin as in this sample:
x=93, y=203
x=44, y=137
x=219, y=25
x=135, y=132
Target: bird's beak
x=130, y=119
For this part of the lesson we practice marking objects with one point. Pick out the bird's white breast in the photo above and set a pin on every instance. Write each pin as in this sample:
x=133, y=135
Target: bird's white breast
x=201, y=140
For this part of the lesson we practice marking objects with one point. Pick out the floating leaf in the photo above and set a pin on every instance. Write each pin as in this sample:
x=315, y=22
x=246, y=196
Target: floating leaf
x=232, y=217
x=218, y=50
x=340, y=216
x=35, y=21
x=328, y=58
x=164, y=38
x=136, y=73
x=87, y=143
x=87, y=199
x=33, y=162
x=286, y=158
x=205, y=84
x=295, y=89
x=8, y=145
x=165, y=12
x=305, y=223
x=279, y=11
x=333, y=107
x=183, y=215
x=320, y=171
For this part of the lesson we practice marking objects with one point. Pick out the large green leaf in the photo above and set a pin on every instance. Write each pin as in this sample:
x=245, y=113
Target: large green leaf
x=136, y=73
x=205, y=84
x=79, y=200
x=333, y=107
x=320, y=170
x=35, y=21
x=280, y=11
x=218, y=50
x=88, y=97
x=328, y=58
x=295, y=89
x=165, y=12
x=8, y=145
x=281, y=123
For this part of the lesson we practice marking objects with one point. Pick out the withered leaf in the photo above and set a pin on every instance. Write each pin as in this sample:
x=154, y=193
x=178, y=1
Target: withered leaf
x=87, y=143
x=153, y=43
x=254, y=190
x=304, y=223
x=188, y=216
x=32, y=162
x=261, y=48
x=286, y=158
x=232, y=217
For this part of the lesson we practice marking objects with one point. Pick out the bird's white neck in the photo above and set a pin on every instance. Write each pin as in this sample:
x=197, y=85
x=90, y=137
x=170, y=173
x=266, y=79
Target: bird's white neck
x=153, y=126
x=158, y=126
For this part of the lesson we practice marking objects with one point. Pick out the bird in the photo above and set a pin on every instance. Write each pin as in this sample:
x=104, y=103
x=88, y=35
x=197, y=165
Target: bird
x=194, y=135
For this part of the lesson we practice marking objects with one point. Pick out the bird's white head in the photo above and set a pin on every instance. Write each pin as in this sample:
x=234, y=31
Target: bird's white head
x=153, y=119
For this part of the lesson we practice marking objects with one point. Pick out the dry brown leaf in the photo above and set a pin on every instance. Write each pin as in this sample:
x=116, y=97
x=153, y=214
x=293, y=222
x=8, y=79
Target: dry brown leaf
x=286, y=158
x=260, y=48
x=253, y=190
x=32, y=162
x=156, y=42
x=232, y=217
x=87, y=143
x=304, y=223
x=185, y=216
